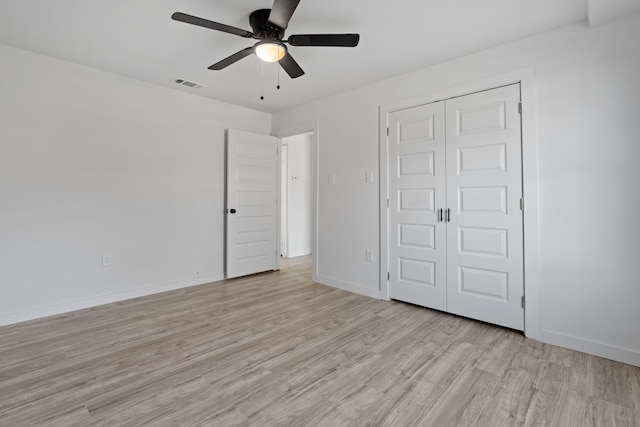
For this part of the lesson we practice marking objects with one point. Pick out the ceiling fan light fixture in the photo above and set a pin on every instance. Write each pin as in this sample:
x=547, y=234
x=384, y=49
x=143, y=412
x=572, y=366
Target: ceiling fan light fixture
x=270, y=51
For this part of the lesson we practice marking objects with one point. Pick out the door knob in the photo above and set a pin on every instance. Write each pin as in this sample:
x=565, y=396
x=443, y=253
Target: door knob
x=232, y=211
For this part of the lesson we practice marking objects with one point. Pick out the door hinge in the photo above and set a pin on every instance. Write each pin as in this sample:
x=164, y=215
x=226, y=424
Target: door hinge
x=521, y=204
x=388, y=276
x=387, y=203
x=387, y=131
x=522, y=301
x=519, y=107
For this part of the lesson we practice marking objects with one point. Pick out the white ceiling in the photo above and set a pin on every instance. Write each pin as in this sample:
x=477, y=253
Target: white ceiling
x=138, y=39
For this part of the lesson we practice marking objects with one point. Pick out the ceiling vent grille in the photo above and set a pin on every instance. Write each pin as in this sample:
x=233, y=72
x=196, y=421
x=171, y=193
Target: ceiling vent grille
x=187, y=83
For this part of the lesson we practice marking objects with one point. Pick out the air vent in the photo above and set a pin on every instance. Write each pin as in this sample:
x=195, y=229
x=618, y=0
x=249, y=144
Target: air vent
x=187, y=83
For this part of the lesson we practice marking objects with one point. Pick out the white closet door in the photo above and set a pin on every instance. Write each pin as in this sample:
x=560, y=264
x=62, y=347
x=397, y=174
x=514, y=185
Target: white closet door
x=417, y=253
x=484, y=187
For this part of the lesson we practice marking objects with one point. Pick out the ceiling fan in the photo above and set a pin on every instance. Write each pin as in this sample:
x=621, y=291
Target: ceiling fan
x=268, y=27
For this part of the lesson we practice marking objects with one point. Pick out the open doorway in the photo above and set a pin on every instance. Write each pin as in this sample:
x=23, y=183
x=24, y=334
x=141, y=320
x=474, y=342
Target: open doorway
x=296, y=195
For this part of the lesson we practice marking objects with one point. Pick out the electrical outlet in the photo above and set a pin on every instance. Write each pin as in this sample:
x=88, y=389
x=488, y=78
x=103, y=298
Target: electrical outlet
x=106, y=259
x=369, y=255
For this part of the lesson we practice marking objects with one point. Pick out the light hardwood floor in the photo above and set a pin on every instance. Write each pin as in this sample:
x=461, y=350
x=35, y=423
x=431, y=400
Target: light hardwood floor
x=276, y=349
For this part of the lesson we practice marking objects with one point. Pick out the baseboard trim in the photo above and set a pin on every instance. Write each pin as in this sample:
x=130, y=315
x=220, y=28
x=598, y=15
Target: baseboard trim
x=81, y=304
x=608, y=351
x=347, y=286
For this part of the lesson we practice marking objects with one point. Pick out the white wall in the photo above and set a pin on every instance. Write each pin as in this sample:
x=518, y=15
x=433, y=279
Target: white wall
x=92, y=162
x=588, y=104
x=602, y=11
x=298, y=189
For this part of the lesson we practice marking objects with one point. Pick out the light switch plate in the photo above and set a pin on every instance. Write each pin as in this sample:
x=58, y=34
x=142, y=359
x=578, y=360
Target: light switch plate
x=369, y=255
x=368, y=177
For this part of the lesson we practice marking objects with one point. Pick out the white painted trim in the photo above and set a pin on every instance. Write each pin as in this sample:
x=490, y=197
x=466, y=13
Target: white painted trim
x=279, y=205
x=526, y=78
x=532, y=310
x=314, y=128
x=66, y=307
x=620, y=354
x=512, y=77
x=283, y=212
x=383, y=173
x=347, y=286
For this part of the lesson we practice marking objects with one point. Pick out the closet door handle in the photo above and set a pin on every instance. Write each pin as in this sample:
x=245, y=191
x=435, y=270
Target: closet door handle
x=440, y=215
x=448, y=215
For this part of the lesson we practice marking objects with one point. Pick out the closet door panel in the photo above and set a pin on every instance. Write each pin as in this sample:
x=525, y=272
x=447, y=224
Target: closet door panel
x=417, y=253
x=484, y=186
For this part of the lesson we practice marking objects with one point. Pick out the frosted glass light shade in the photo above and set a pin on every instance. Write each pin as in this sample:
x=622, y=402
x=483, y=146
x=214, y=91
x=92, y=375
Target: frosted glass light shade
x=270, y=51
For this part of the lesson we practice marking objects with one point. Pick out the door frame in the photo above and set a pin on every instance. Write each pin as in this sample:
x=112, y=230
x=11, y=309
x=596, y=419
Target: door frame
x=314, y=129
x=526, y=78
x=284, y=199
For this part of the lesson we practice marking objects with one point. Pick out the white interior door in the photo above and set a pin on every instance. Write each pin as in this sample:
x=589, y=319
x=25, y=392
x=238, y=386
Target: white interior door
x=462, y=155
x=484, y=185
x=251, y=220
x=417, y=253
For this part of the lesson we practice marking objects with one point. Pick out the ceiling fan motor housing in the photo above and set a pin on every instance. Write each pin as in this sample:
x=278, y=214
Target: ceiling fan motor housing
x=262, y=29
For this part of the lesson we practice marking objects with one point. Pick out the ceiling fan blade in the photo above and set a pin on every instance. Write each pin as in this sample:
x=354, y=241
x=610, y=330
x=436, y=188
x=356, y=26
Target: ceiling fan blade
x=291, y=66
x=232, y=59
x=336, y=40
x=194, y=20
x=281, y=12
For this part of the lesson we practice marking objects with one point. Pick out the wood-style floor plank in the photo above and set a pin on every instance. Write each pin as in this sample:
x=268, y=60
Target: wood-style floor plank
x=275, y=349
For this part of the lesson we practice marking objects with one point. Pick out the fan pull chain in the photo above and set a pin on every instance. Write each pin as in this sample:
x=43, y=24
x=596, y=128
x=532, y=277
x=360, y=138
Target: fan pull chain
x=261, y=80
x=278, y=65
